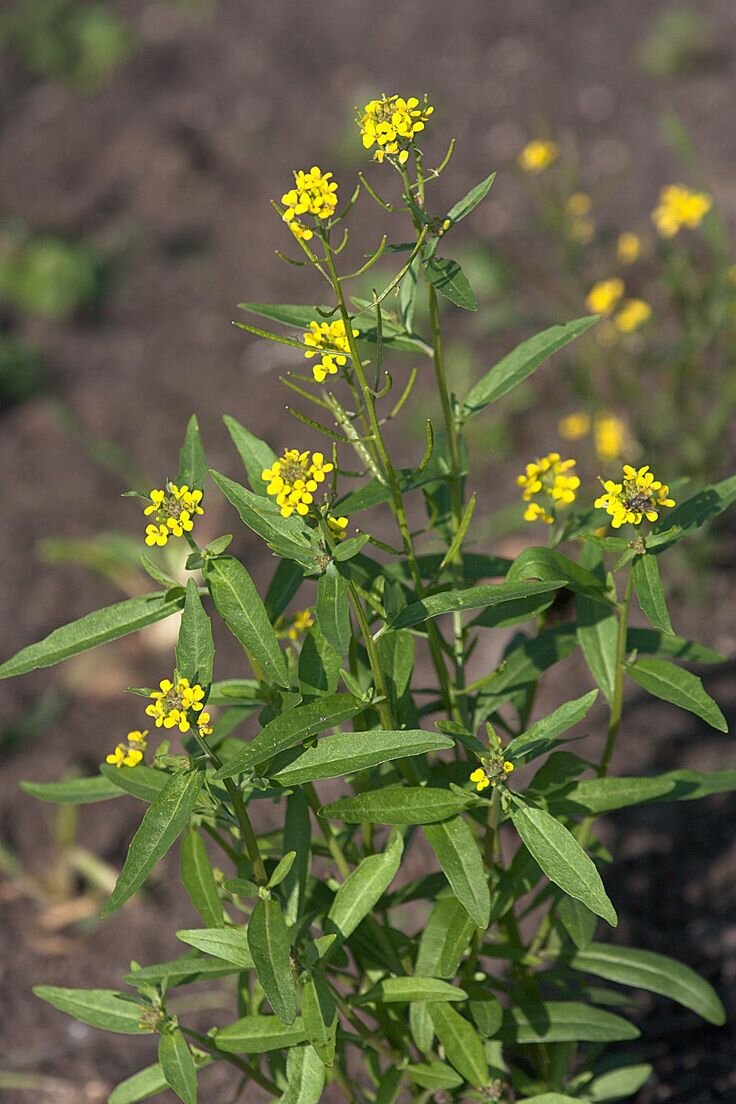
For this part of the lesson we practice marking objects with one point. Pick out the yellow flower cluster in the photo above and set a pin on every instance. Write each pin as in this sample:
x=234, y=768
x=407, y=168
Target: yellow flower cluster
x=130, y=754
x=680, y=207
x=314, y=193
x=639, y=495
x=391, y=124
x=537, y=156
x=330, y=336
x=172, y=704
x=490, y=774
x=293, y=479
x=301, y=623
x=175, y=509
x=606, y=296
x=547, y=477
x=338, y=527
x=609, y=432
x=582, y=225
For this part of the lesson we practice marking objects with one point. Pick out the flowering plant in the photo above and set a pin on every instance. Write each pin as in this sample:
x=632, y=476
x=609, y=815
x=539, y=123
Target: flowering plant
x=463, y=974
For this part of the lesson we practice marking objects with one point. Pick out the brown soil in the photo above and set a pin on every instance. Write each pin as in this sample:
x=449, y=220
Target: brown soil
x=171, y=167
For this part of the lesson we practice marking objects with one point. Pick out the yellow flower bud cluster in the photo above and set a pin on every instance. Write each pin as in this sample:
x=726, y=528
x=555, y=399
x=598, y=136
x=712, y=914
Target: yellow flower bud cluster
x=293, y=479
x=330, y=336
x=391, y=123
x=130, y=754
x=639, y=495
x=547, y=478
x=627, y=315
x=491, y=773
x=175, y=509
x=314, y=193
x=680, y=207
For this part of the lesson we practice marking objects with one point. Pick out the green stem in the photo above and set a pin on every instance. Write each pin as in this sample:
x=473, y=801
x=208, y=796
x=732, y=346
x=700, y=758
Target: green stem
x=618, y=688
x=209, y=1045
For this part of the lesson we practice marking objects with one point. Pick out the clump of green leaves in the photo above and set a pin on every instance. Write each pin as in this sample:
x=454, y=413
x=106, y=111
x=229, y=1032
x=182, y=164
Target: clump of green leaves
x=475, y=973
x=47, y=275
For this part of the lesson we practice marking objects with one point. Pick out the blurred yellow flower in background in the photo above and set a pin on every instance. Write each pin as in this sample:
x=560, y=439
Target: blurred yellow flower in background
x=538, y=155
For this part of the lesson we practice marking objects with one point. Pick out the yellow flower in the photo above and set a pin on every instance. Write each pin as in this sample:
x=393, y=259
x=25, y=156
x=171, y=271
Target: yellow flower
x=538, y=155
x=391, y=124
x=639, y=495
x=293, y=479
x=171, y=704
x=203, y=724
x=330, y=336
x=480, y=778
x=301, y=623
x=679, y=206
x=314, y=193
x=574, y=426
x=605, y=296
x=338, y=527
x=632, y=316
x=508, y=766
x=175, y=509
x=628, y=248
x=547, y=477
x=491, y=773
x=127, y=755
x=610, y=436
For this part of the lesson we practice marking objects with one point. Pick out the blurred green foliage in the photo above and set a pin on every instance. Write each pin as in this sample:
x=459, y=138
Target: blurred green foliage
x=47, y=275
x=679, y=40
x=21, y=371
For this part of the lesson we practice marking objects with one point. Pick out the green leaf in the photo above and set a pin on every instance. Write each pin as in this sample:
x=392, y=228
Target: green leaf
x=364, y=887
x=653, y=642
x=199, y=881
x=320, y=1018
x=93, y=629
x=398, y=805
x=650, y=592
x=229, y=944
x=73, y=791
x=192, y=460
x=654, y=972
x=434, y=1075
x=289, y=728
x=618, y=1084
x=603, y=795
x=285, y=583
x=259, y=1034
x=103, y=1008
x=550, y=1098
x=268, y=941
x=680, y=687
x=457, y=851
x=147, y=1082
x=562, y=859
x=598, y=634
x=255, y=453
x=297, y=837
x=696, y=511
x=547, y=563
x=143, y=782
x=164, y=821
x=543, y=734
x=177, y=1064
x=477, y=597
x=448, y=279
x=578, y=921
x=195, y=649
x=442, y=944
x=185, y=970
x=346, y=752
x=463, y=1046
x=305, y=1076
x=522, y=665
x=562, y=1022
x=240, y=606
x=319, y=663
x=487, y=1015
x=333, y=610
x=471, y=199
x=521, y=363
x=403, y=990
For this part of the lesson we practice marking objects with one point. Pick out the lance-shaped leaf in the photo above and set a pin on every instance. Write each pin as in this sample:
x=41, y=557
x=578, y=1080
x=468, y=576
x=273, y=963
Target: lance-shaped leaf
x=177, y=1065
x=562, y=859
x=653, y=642
x=195, y=649
x=680, y=687
x=240, y=606
x=93, y=629
x=694, y=512
x=442, y=944
x=229, y=944
x=521, y=363
x=333, y=610
x=255, y=453
x=603, y=795
x=548, y=563
x=650, y=592
x=268, y=941
x=289, y=728
x=320, y=1018
x=563, y=1022
x=478, y=597
x=165, y=819
x=462, y=1043
x=597, y=634
x=305, y=1076
x=185, y=970
x=338, y=755
x=578, y=921
x=398, y=805
x=259, y=1034
x=654, y=972
x=364, y=887
x=192, y=460
x=618, y=1084
x=434, y=1075
x=143, y=782
x=199, y=880
x=74, y=791
x=470, y=201
x=102, y=1008
x=543, y=734
x=403, y=990
x=147, y=1082
x=457, y=851
x=448, y=279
